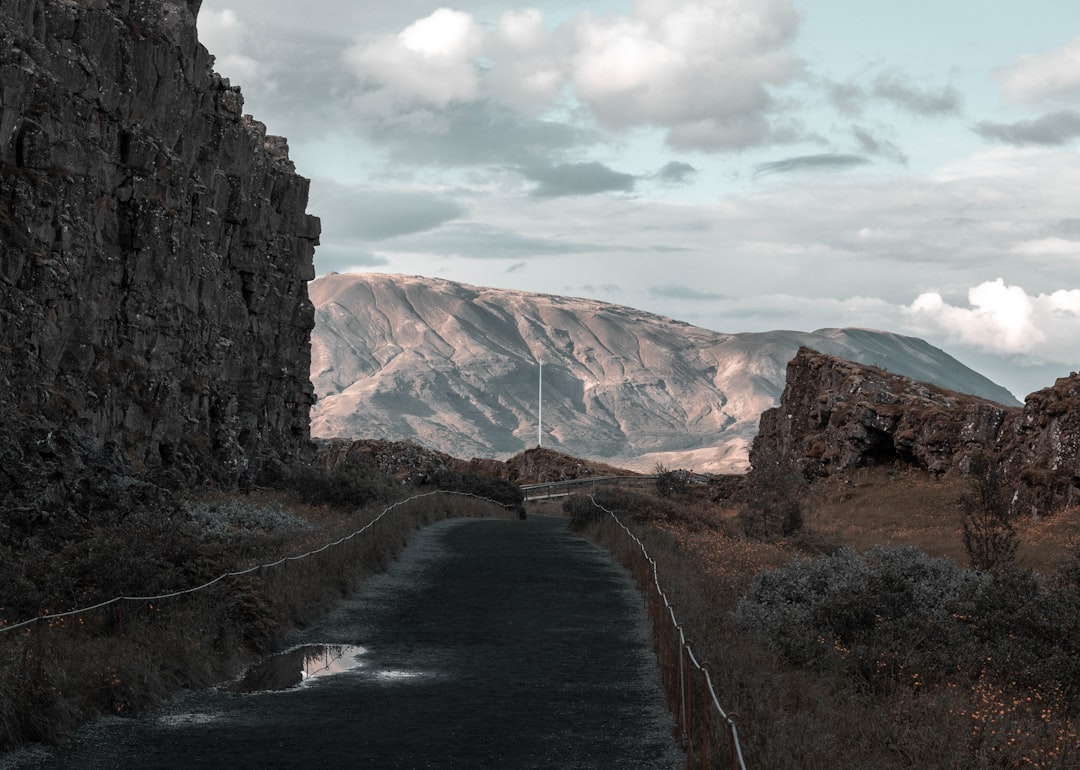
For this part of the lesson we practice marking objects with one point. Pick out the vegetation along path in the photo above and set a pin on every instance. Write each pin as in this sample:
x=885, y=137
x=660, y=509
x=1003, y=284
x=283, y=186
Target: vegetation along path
x=489, y=644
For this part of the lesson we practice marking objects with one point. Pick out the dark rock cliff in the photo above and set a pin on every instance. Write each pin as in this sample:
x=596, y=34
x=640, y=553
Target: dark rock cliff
x=154, y=254
x=835, y=415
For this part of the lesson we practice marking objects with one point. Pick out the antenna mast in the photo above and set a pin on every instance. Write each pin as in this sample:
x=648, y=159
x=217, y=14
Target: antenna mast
x=540, y=408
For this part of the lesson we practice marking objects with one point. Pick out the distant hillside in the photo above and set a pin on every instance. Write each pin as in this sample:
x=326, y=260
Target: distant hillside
x=455, y=368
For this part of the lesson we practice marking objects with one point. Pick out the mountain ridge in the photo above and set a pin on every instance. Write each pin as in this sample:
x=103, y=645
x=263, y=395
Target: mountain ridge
x=455, y=367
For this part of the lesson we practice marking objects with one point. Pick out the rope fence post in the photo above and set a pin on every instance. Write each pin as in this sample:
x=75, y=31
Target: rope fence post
x=680, y=695
x=705, y=732
x=682, y=688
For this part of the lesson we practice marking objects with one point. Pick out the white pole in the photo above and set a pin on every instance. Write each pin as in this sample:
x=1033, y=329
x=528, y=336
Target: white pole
x=540, y=409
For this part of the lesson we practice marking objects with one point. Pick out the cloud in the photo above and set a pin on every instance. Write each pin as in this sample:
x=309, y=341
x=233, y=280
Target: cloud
x=525, y=71
x=578, y=179
x=677, y=291
x=1051, y=130
x=367, y=214
x=432, y=61
x=591, y=290
x=676, y=173
x=852, y=97
x=473, y=240
x=883, y=148
x=1053, y=247
x=927, y=102
x=1069, y=227
x=701, y=70
x=1006, y=319
x=1051, y=77
x=342, y=258
x=823, y=162
x=223, y=34
x=848, y=98
x=484, y=134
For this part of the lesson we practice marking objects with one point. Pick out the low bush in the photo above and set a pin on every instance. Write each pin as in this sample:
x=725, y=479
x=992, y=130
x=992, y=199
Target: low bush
x=353, y=484
x=670, y=482
x=638, y=506
x=500, y=491
x=895, y=616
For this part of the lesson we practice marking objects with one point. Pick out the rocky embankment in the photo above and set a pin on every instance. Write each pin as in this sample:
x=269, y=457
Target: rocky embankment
x=835, y=415
x=154, y=257
x=413, y=464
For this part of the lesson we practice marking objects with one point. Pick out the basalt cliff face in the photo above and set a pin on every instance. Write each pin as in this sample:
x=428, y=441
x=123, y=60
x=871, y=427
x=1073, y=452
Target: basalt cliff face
x=154, y=254
x=835, y=415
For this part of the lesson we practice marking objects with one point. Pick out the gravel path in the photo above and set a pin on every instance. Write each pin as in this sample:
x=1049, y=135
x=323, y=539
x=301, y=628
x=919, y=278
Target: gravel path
x=489, y=644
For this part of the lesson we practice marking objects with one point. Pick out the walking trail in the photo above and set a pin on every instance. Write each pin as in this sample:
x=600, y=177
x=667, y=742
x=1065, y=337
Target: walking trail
x=488, y=644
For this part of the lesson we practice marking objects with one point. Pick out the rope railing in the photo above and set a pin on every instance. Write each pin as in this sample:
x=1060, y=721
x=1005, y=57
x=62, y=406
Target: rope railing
x=546, y=490
x=236, y=573
x=697, y=713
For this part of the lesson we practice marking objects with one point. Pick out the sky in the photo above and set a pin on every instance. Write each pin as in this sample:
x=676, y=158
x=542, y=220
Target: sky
x=742, y=165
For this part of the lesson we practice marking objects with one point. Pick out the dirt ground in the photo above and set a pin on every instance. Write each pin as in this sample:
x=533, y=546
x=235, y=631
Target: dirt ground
x=489, y=644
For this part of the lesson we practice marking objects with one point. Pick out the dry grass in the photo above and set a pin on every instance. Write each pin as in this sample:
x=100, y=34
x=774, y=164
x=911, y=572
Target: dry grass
x=877, y=506
x=792, y=718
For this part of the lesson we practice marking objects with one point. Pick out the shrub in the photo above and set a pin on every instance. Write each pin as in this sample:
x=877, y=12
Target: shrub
x=897, y=616
x=238, y=517
x=581, y=511
x=638, y=506
x=990, y=536
x=669, y=482
x=859, y=611
x=772, y=504
x=500, y=491
x=351, y=484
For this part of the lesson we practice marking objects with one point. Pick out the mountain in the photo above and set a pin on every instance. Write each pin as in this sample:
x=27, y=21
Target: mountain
x=456, y=368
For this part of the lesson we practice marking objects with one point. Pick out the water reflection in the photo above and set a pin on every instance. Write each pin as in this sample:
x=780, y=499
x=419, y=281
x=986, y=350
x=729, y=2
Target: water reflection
x=290, y=669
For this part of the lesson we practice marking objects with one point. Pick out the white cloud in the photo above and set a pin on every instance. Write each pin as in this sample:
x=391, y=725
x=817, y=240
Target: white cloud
x=703, y=70
x=225, y=36
x=525, y=71
x=1050, y=77
x=1052, y=247
x=523, y=30
x=432, y=61
x=1007, y=319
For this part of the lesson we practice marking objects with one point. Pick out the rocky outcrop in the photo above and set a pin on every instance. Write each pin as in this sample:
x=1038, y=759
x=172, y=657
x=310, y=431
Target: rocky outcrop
x=1042, y=447
x=413, y=464
x=154, y=254
x=836, y=415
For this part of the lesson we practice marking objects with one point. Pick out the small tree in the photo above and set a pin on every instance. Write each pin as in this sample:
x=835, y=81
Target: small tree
x=773, y=503
x=986, y=521
x=669, y=482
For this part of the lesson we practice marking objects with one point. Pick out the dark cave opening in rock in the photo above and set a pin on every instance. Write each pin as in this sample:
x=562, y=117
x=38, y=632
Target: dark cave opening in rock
x=882, y=449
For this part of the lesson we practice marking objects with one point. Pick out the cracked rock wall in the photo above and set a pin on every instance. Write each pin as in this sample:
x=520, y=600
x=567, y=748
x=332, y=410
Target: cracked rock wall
x=154, y=256
x=835, y=415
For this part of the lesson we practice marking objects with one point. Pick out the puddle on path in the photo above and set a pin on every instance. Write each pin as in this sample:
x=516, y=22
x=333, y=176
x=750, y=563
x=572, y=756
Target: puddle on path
x=293, y=668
